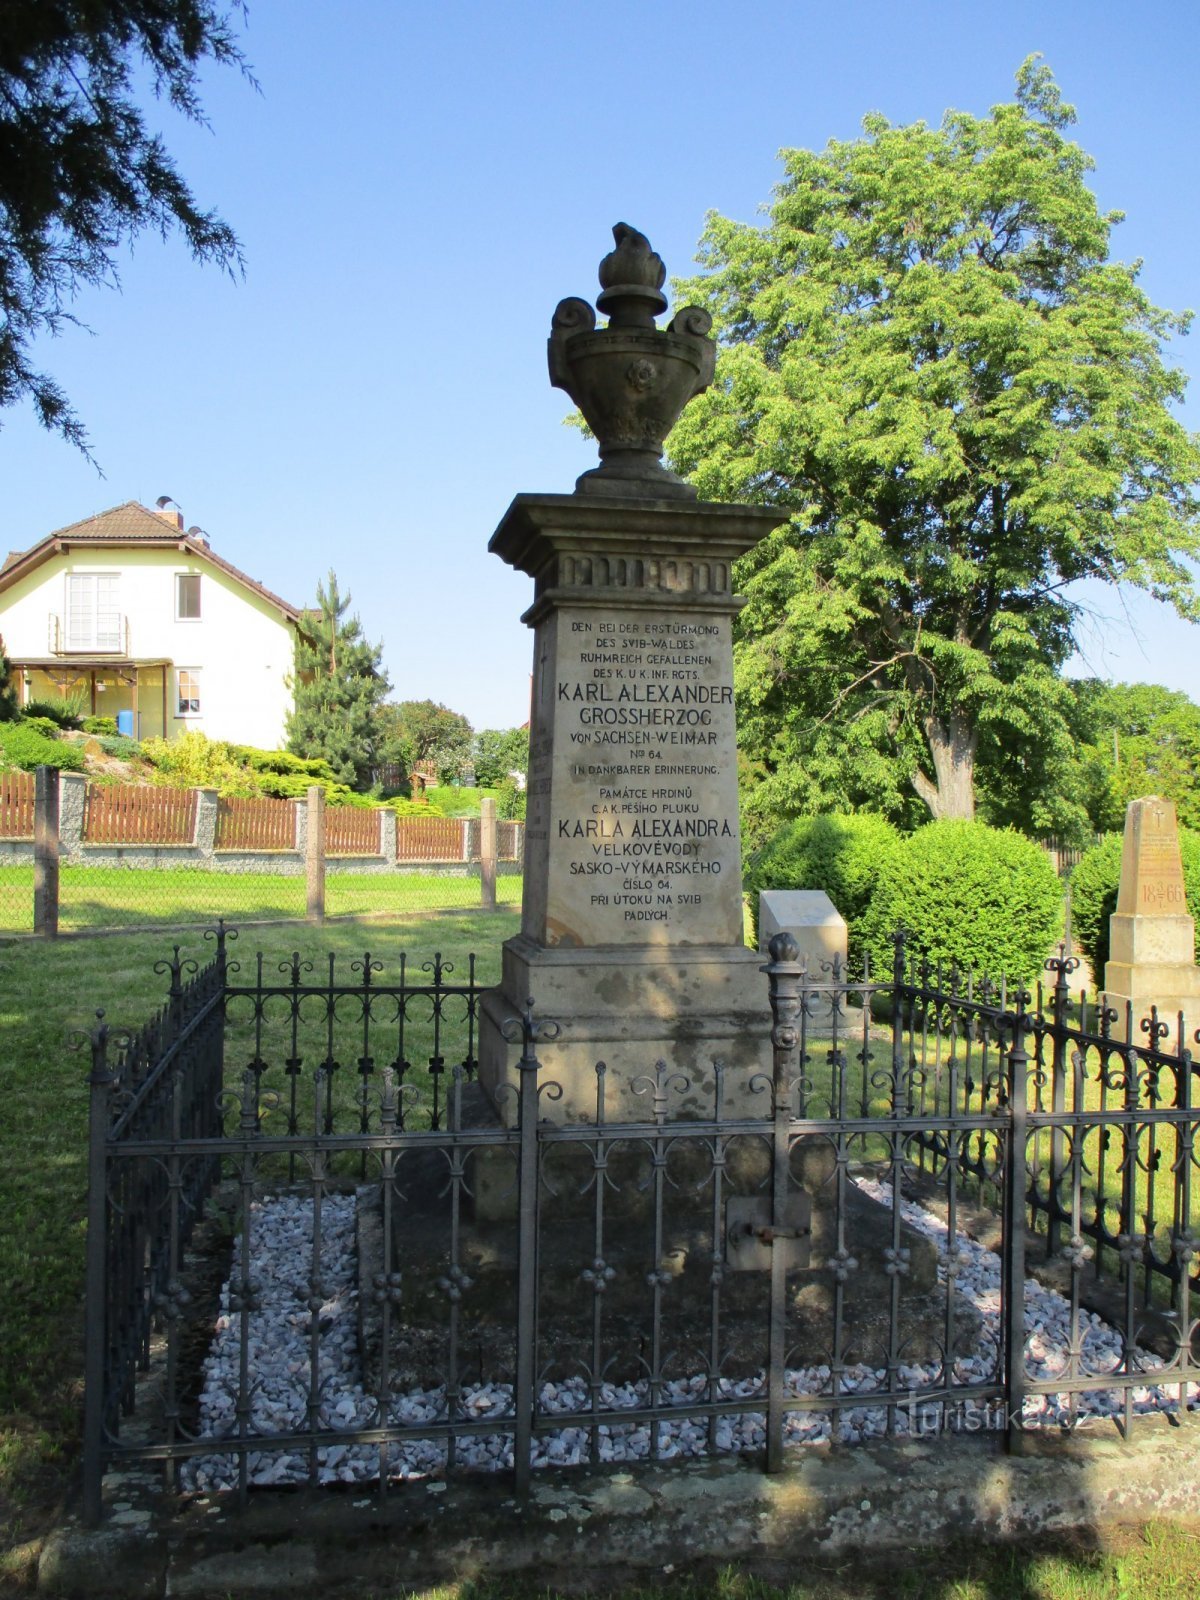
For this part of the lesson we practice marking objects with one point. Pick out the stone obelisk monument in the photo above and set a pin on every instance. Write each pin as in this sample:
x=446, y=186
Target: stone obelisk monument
x=631, y=928
x=1151, y=934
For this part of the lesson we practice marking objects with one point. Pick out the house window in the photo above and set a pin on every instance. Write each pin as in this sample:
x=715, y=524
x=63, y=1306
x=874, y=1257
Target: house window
x=93, y=617
x=188, y=693
x=187, y=596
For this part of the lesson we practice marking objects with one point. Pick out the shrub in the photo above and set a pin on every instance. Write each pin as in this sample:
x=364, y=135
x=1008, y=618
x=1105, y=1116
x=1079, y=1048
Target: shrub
x=28, y=747
x=510, y=801
x=403, y=807
x=119, y=745
x=100, y=726
x=844, y=855
x=1095, y=879
x=46, y=726
x=986, y=899
x=194, y=761
x=62, y=713
x=283, y=762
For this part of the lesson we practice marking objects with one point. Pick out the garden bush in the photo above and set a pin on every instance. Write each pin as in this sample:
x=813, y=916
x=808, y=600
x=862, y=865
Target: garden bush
x=284, y=763
x=404, y=807
x=27, y=747
x=62, y=713
x=1095, y=879
x=106, y=726
x=117, y=744
x=46, y=726
x=844, y=855
x=510, y=801
x=986, y=899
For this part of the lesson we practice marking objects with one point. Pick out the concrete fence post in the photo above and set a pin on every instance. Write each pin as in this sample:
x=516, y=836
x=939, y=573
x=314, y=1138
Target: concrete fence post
x=314, y=854
x=205, y=839
x=487, y=853
x=387, y=835
x=72, y=799
x=45, y=852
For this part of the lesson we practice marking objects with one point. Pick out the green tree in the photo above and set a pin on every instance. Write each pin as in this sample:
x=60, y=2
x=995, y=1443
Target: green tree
x=434, y=733
x=1135, y=739
x=81, y=173
x=930, y=360
x=339, y=686
x=497, y=752
x=8, y=694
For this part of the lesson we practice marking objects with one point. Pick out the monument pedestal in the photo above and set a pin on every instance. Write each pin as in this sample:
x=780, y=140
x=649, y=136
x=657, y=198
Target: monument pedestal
x=632, y=917
x=1151, y=936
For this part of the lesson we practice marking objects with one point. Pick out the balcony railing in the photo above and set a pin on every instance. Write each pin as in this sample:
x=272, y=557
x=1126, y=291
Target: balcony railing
x=108, y=639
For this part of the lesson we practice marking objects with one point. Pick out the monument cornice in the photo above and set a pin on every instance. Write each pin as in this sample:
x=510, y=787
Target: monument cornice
x=537, y=527
x=594, y=552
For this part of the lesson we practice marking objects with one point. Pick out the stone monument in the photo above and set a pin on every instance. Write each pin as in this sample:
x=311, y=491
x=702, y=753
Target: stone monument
x=1151, y=935
x=632, y=920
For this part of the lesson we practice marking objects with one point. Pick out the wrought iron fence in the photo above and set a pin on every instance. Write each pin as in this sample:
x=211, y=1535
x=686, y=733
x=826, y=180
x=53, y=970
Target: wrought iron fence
x=700, y=1266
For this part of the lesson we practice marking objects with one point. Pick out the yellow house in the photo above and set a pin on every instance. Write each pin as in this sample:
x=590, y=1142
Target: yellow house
x=130, y=616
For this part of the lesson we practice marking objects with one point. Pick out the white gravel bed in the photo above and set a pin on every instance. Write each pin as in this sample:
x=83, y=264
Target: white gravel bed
x=280, y=1332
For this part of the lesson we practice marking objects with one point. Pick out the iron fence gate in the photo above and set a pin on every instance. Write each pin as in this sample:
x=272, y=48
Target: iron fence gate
x=411, y=1284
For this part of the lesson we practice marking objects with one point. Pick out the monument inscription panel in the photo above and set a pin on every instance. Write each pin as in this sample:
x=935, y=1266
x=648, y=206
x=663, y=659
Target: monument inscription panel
x=633, y=787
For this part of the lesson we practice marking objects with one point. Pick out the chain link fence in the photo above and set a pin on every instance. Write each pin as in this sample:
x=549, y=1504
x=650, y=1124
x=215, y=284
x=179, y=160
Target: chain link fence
x=77, y=856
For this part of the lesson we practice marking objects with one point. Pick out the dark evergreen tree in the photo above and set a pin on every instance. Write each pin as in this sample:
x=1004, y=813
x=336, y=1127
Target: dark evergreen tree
x=339, y=686
x=8, y=694
x=81, y=172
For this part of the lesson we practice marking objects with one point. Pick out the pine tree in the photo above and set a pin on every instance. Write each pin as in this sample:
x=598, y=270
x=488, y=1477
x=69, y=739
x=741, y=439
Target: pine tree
x=8, y=694
x=339, y=685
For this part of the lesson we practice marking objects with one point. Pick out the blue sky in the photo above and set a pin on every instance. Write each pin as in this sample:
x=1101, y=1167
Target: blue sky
x=417, y=186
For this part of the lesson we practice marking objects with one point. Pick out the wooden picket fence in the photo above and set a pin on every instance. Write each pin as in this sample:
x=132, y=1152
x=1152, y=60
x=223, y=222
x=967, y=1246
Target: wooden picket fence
x=16, y=805
x=429, y=839
x=350, y=831
x=138, y=815
x=258, y=823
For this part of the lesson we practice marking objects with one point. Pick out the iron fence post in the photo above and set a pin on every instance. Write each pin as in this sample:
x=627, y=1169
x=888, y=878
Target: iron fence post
x=100, y=1084
x=527, y=1246
x=785, y=975
x=899, y=958
x=1013, y=1276
x=1062, y=966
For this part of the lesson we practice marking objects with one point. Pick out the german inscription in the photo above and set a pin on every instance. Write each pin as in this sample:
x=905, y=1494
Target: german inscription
x=642, y=831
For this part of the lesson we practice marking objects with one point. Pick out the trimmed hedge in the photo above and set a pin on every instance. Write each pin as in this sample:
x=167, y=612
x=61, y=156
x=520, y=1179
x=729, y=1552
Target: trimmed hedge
x=986, y=899
x=844, y=855
x=1095, y=880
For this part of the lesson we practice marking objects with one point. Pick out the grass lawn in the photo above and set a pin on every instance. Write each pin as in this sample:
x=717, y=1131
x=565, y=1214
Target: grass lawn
x=46, y=991
x=114, y=897
x=1135, y=1564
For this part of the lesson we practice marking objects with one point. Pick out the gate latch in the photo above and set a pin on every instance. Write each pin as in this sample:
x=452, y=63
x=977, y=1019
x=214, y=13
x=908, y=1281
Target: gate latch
x=751, y=1236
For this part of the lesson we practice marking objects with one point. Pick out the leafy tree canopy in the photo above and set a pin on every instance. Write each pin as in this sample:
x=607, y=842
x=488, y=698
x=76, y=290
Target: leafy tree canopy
x=339, y=686
x=81, y=173
x=498, y=752
x=1136, y=739
x=930, y=360
x=434, y=733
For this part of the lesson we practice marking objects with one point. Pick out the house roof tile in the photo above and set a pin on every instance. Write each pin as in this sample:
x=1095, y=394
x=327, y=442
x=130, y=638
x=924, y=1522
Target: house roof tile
x=134, y=524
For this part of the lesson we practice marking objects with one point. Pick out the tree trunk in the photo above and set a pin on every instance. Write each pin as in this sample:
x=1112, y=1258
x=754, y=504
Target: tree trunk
x=952, y=742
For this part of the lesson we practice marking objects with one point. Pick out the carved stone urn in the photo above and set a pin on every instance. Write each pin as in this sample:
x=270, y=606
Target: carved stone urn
x=632, y=379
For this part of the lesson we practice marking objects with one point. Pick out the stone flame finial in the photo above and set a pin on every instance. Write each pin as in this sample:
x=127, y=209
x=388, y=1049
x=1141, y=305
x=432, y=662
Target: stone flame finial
x=632, y=379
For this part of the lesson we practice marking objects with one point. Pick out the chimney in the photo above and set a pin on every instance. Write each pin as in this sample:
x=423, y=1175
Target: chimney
x=173, y=518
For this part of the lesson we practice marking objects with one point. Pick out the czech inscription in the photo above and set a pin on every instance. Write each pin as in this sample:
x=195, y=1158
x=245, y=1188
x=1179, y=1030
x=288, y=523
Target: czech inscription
x=642, y=829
